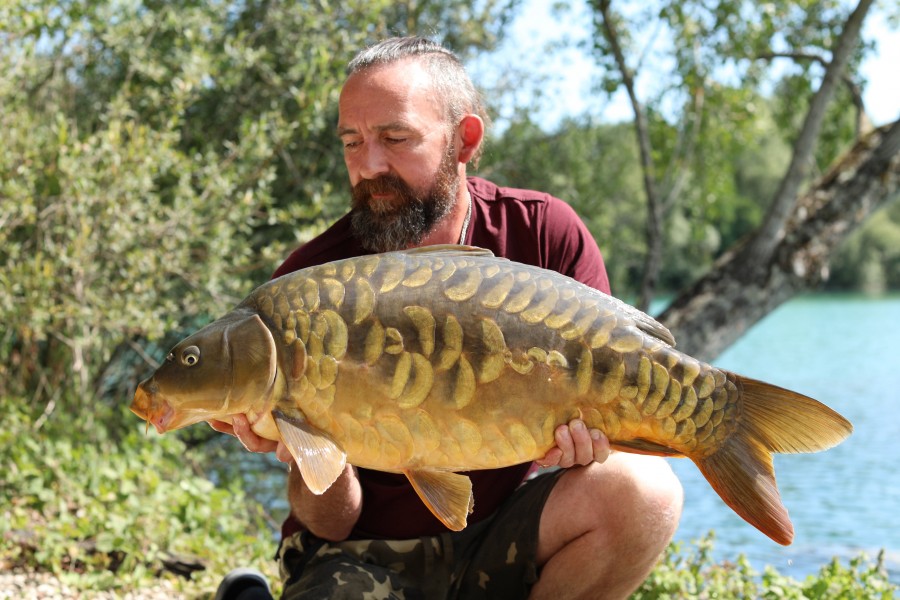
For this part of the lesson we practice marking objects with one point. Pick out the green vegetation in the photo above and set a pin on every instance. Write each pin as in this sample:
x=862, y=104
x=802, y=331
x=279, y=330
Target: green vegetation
x=160, y=158
x=592, y=166
x=116, y=510
x=689, y=572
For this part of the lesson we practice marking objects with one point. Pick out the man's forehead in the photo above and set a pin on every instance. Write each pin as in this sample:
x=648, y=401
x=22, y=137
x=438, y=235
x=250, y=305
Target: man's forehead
x=399, y=94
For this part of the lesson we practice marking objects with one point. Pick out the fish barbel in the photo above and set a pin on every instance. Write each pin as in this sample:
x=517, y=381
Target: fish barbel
x=445, y=358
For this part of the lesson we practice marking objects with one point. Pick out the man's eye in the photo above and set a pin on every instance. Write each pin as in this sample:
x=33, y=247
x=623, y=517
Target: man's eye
x=351, y=144
x=393, y=140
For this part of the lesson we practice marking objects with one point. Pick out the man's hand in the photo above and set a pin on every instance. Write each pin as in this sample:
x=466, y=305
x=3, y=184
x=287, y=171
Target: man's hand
x=576, y=445
x=331, y=515
x=240, y=428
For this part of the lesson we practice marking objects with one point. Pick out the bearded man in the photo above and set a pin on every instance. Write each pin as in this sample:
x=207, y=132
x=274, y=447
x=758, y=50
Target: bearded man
x=410, y=122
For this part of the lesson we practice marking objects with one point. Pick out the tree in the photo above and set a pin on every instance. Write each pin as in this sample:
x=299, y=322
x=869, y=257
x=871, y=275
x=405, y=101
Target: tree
x=714, y=312
x=591, y=166
x=734, y=33
x=159, y=158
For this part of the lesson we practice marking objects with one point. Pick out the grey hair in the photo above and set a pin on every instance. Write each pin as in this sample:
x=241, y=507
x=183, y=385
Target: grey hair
x=448, y=75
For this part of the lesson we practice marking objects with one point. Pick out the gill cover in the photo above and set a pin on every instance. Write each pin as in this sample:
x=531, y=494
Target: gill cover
x=254, y=361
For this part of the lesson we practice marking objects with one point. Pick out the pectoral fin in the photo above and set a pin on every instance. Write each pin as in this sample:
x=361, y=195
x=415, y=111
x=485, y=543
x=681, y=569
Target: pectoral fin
x=319, y=457
x=447, y=495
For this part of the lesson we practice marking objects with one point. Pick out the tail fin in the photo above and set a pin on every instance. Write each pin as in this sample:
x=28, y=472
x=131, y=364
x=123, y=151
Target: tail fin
x=772, y=419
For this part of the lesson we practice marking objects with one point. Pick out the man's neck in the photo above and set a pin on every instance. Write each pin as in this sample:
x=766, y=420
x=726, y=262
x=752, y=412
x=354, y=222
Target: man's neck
x=450, y=228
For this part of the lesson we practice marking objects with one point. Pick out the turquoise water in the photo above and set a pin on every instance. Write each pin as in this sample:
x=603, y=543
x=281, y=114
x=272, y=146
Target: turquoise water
x=845, y=352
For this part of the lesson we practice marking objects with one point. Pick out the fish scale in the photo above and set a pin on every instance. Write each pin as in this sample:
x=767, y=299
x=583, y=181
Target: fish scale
x=446, y=359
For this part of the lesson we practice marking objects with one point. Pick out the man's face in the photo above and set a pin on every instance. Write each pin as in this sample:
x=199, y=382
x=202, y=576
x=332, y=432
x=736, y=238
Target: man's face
x=399, y=153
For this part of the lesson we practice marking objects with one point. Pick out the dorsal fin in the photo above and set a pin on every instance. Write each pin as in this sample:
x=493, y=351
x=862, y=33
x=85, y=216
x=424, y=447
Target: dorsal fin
x=451, y=249
x=642, y=320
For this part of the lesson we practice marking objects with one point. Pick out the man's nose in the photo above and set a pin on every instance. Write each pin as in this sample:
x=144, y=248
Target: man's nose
x=373, y=162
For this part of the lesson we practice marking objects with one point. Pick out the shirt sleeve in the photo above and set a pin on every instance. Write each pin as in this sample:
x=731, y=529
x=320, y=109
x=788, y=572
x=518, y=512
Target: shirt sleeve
x=570, y=247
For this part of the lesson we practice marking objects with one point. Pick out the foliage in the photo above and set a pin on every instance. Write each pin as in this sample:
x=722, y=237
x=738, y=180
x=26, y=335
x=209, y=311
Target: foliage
x=201, y=130
x=588, y=165
x=593, y=166
x=701, y=70
x=689, y=571
x=870, y=258
x=104, y=514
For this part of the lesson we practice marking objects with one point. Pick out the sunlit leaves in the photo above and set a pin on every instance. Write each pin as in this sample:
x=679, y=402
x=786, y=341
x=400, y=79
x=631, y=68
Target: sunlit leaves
x=160, y=158
x=106, y=513
x=692, y=572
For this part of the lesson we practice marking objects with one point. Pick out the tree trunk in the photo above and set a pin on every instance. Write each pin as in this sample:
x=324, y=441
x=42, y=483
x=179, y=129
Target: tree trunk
x=769, y=235
x=735, y=294
x=655, y=216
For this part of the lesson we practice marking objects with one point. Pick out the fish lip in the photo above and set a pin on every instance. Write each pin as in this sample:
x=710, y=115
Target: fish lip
x=149, y=406
x=162, y=417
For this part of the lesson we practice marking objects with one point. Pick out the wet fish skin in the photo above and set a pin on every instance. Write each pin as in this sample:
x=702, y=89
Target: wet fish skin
x=448, y=359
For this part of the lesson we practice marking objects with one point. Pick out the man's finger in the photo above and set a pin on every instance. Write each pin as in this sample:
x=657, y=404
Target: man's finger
x=564, y=442
x=222, y=427
x=581, y=442
x=601, y=445
x=248, y=437
x=551, y=459
x=283, y=454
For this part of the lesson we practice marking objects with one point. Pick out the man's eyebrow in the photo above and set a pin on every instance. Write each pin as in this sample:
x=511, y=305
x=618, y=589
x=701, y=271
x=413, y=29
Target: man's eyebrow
x=392, y=126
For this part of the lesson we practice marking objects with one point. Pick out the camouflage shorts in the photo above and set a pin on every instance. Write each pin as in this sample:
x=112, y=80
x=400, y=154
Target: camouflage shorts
x=494, y=558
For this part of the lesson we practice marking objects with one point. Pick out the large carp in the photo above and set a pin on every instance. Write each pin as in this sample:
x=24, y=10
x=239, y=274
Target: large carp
x=446, y=358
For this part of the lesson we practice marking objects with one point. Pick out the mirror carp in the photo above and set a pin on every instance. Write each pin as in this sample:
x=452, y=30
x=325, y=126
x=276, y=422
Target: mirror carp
x=443, y=359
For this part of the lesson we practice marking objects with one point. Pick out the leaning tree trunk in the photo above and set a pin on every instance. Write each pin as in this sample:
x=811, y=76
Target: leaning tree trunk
x=759, y=249
x=720, y=307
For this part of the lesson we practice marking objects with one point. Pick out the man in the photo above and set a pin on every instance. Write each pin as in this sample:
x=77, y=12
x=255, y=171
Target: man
x=410, y=121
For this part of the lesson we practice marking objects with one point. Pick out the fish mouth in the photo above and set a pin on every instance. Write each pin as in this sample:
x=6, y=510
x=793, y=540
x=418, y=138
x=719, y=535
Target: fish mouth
x=150, y=407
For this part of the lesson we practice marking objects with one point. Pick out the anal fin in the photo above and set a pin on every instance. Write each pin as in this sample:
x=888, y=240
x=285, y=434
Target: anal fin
x=447, y=495
x=319, y=458
x=641, y=446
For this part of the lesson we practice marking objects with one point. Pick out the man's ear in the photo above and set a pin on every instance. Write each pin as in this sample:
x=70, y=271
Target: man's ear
x=470, y=133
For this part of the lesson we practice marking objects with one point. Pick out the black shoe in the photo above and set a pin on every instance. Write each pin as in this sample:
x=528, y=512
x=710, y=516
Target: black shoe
x=244, y=584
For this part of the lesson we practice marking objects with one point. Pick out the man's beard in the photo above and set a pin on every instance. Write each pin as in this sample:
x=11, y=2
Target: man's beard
x=409, y=216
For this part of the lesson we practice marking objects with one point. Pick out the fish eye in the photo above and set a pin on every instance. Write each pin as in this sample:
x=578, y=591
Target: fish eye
x=190, y=356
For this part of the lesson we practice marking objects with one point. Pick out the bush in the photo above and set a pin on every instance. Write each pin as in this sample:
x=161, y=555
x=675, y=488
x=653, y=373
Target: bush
x=103, y=514
x=689, y=572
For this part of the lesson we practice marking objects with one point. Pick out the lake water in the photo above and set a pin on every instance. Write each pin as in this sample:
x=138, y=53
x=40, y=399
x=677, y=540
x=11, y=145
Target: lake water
x=845, y=352
x=841, y=350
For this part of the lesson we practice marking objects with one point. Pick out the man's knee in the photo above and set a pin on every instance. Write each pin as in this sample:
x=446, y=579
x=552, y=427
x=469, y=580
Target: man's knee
x=614, y=519
x=651, y=498
x=629, y=495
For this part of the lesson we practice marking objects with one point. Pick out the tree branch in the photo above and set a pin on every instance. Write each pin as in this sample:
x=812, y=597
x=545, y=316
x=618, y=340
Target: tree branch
x=770, y=234
x=642, y=132
x=863, y=125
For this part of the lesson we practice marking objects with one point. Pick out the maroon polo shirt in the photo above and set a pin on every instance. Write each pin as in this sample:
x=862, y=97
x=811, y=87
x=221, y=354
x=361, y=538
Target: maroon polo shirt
x=522, y=225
